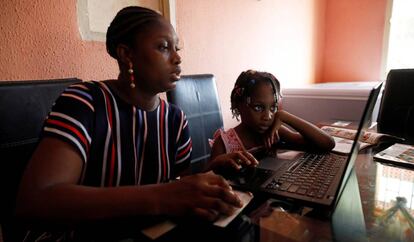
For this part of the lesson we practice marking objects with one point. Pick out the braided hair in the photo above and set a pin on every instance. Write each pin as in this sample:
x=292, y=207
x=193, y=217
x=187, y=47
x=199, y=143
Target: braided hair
x=127, y=23
x=246, y=83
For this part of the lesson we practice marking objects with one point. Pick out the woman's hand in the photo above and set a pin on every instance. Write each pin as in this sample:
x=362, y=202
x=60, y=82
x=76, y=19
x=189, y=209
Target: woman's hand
x=204, y=195
x=232, y=161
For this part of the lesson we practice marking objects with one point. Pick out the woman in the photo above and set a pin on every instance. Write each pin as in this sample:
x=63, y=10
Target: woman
x=110, y=149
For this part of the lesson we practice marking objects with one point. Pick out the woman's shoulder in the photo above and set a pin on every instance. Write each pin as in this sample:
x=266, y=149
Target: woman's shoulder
x=173, y=109
x=84, y=93
x=82, y=87
x=172, y=106
x=91, y=88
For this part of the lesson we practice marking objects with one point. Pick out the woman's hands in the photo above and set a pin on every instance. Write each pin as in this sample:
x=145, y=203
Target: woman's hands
x=204, y=195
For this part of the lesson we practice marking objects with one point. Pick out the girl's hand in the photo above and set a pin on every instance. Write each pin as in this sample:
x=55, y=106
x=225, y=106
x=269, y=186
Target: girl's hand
x=234, y=161
x=272, y=136
x=204, y=195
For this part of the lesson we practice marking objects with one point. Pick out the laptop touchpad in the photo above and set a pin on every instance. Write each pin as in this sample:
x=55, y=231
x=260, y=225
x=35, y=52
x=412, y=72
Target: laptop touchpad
x=283, y=157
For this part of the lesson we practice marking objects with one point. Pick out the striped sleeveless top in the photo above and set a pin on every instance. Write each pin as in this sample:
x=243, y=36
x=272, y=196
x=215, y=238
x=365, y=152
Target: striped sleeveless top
x=120, y=144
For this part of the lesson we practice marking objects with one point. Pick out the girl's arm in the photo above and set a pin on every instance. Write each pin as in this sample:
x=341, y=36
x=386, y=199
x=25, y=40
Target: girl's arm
x=304, y=134
x=217, y=149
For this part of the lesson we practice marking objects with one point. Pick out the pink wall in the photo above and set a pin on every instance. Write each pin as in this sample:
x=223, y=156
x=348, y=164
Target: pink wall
x=354, y=38
x=298, y=41
x=40, y=40
x=225, y=37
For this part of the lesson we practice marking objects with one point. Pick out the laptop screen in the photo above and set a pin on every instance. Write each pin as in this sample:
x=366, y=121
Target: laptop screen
x=363, y=124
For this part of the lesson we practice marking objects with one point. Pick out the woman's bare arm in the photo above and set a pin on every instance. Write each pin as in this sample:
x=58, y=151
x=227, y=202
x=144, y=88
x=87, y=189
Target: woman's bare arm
x=50, y=191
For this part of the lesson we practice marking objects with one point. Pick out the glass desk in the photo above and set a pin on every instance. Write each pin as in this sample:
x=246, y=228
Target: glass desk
x=376, y=205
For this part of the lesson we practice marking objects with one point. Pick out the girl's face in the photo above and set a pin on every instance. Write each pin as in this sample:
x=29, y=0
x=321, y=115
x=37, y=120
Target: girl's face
x=155, y=58
x=259, y=113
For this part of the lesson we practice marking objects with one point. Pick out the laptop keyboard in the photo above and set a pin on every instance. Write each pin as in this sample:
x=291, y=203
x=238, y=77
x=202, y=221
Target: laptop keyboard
x=311, y=175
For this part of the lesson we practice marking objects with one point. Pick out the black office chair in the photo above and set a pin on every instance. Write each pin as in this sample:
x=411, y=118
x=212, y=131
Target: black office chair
x=396, y=114
x=24, y=106
x=197, y=96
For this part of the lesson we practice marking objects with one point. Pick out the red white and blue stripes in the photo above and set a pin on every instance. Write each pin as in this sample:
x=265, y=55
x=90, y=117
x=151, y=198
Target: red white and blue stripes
x=119, y=143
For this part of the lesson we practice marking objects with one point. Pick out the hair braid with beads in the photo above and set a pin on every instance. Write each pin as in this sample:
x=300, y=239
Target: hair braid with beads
x=245, y=84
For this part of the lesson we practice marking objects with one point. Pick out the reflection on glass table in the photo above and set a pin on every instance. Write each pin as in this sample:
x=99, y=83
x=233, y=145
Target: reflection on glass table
x=394, y=204
x=279, y=220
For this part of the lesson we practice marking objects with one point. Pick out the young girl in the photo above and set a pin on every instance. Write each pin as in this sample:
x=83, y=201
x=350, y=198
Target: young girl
x=256, y=100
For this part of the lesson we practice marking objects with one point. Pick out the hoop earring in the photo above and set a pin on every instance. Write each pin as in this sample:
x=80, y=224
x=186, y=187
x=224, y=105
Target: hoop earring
x=131, y=76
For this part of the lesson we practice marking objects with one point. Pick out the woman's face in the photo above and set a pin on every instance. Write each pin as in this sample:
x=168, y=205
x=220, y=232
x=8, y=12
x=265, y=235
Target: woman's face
x=258, y=115
x=155, y=58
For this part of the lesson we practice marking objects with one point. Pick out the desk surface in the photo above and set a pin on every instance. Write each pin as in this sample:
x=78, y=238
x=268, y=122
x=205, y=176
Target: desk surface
x=377, y=205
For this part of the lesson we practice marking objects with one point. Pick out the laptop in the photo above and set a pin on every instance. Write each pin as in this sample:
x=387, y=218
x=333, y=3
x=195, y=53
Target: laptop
x=311, y=179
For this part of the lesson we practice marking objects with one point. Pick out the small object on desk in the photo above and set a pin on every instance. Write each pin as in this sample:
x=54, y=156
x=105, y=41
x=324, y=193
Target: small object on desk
x=341, y=123
x=159, y=229
x=397, y=155
x=245, y=197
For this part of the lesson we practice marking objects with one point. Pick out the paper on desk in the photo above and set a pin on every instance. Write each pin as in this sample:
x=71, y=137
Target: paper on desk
x=159, y=229
x=245, y=197
x=343, y=146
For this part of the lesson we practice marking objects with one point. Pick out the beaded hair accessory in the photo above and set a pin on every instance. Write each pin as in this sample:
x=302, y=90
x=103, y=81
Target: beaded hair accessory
x=131, y=75
x=238, y=91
